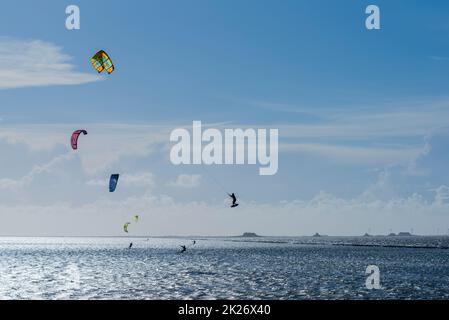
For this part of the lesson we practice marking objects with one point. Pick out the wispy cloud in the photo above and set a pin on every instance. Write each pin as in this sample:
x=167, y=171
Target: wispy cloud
x=128, y=180
x=374, y=125
x=34, y=63
x=355, y=154
x=186, y=181
x=108, y=143
x=104, y=145
x=439, y=58
x=411, y=117
x=25, y=181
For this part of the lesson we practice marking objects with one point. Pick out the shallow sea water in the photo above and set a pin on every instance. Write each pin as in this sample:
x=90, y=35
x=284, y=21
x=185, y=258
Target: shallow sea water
x=223, y=268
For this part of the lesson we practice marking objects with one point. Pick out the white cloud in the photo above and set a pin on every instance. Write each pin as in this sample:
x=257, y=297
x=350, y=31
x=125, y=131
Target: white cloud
x=104, y=145
x=59, y=203
x=33, y=63
x=355, y=154
x=186, y=181
x=413, y=168
x=406, y=118
x=17, y=184
x=163, y=215
x=127, y=180
x=441, y=195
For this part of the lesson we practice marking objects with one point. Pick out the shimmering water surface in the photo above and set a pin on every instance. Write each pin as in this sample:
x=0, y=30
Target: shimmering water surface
x=223, y=268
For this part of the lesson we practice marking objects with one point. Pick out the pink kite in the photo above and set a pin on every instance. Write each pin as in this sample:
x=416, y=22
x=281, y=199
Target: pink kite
x=74, y=139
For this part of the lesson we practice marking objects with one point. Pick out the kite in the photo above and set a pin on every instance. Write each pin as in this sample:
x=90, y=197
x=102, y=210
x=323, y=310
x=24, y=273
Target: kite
x=101, y=61
x=136, y=218
x=125, y=226
x=113, y=182
x=74, y=139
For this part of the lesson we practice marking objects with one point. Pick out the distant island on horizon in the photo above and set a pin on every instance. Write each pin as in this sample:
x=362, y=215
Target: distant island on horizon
x=250, y=235
x=243, y=235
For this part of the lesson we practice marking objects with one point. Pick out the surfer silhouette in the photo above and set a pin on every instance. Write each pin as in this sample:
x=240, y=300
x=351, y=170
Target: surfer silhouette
x=234, y=200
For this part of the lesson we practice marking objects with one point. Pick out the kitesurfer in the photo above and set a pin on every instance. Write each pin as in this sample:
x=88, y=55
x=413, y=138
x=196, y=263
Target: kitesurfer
x=234, y=200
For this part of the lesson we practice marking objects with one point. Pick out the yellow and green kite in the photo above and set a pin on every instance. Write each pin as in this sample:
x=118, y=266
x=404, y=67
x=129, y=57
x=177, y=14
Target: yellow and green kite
x=125, y=227
x=101, y=61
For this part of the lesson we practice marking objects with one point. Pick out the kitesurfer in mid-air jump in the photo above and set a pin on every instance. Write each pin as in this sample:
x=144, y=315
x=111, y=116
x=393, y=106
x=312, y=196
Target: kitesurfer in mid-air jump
x=234, y=200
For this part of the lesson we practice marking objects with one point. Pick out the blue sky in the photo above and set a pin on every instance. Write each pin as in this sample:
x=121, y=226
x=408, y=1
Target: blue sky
x=362, y=115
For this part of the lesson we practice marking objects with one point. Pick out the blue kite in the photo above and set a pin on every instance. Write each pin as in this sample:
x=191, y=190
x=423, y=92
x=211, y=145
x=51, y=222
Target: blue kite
x=113, y=182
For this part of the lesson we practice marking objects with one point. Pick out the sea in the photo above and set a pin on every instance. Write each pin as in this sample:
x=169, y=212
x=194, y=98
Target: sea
x=281, y=268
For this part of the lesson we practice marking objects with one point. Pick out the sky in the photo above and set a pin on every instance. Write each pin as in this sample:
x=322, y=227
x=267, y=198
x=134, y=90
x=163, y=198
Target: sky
x=363, y=116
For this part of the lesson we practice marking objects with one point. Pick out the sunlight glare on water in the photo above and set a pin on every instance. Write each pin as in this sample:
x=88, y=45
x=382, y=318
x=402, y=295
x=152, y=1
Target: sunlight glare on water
x=218, y=268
